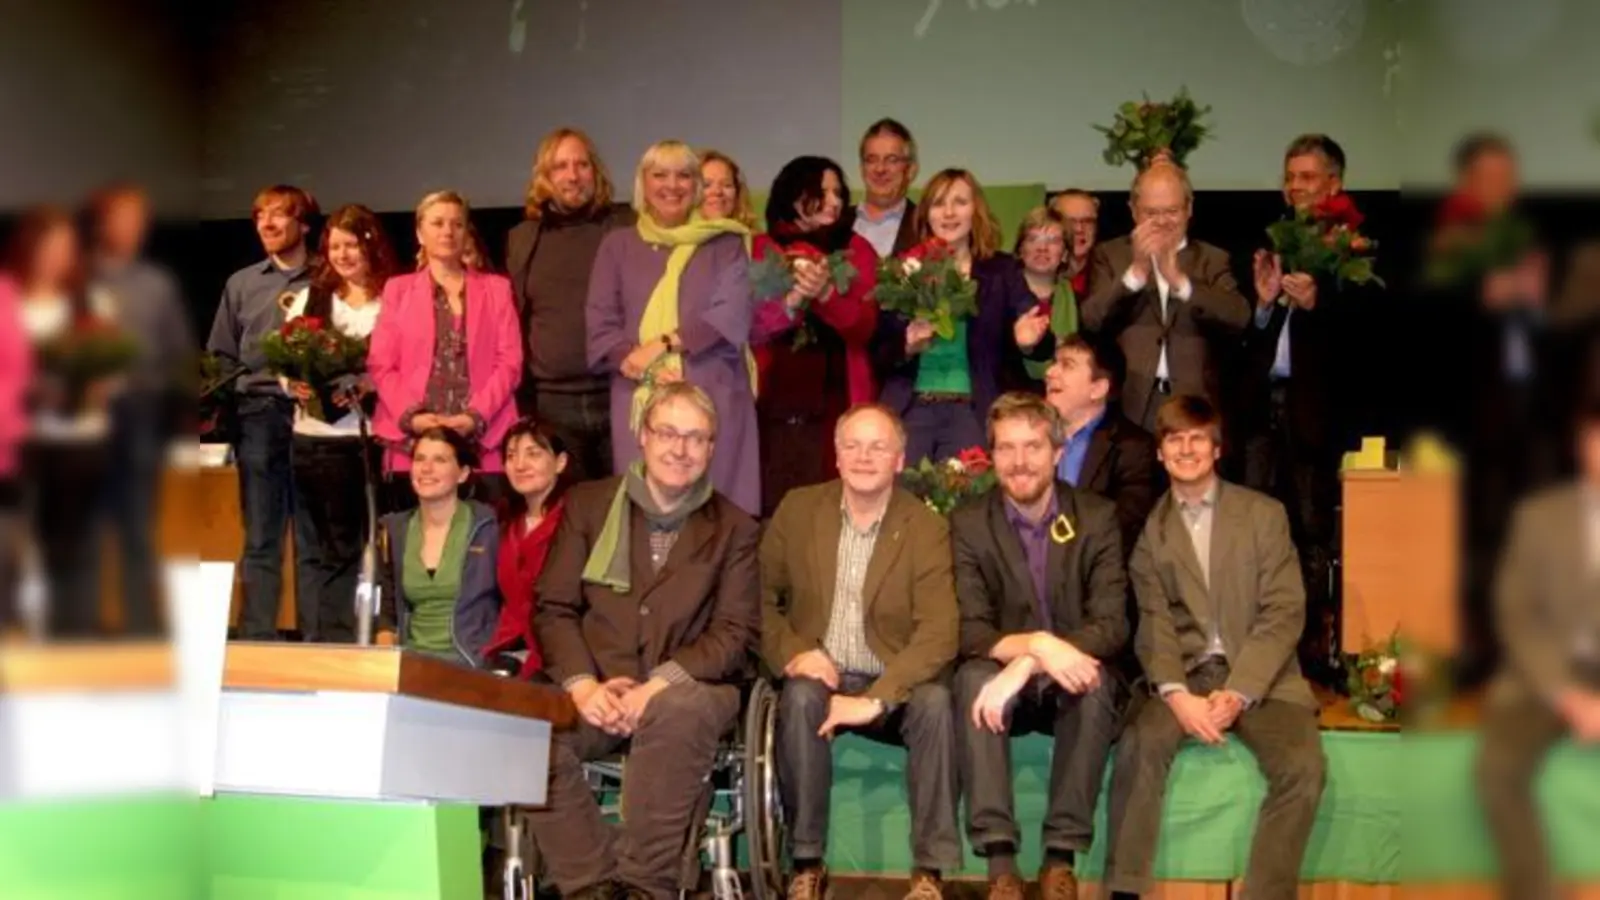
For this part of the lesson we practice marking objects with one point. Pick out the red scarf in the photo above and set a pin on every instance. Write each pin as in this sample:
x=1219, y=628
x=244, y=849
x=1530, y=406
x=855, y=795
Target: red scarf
x=522, y=556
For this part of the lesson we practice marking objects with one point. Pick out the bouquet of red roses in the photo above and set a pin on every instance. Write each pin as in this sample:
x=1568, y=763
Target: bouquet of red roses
x=1470, y=242
x=91, y=350
x=926, y=285
x=772, y=276
x=943, y=486
x=306, y=349
x=1326, y=240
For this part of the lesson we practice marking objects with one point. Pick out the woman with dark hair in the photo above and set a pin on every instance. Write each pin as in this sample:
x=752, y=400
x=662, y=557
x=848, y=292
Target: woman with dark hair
x=942, y=389
x=441, y=597
x=66, y=457
x=812, y=341
x=330, y=461
x=536, y=465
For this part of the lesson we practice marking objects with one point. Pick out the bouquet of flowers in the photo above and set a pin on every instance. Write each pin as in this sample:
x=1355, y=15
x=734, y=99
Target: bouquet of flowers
x=944, y=485
x=1470, y=242
x=1377, y=683
x=926, y=285
x=309, y=350
x=1326, y=240
x=90, y=351
x=1144, y=131
x=214, y=376
x=773, y=276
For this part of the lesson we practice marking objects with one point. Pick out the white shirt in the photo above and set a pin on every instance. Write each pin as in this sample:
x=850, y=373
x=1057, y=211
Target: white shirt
x=1135, y=284
x=354, y=321
x=44, y=319
x=880, y=232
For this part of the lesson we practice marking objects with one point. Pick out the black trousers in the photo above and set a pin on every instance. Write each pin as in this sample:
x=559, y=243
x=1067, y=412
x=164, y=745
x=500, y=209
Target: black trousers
x=1084, y=727
x=582, y=419
x=65, y=479
x=330, y=532
x=13, y=526
x=805, y=766
x=1305, y=480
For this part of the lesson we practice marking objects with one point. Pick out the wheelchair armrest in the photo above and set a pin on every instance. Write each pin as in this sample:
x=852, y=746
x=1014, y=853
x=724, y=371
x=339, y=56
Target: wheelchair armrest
x=506, y=665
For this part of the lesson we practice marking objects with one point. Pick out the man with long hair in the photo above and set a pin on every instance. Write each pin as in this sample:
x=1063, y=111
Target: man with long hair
x=252, y=306
x=548, y=258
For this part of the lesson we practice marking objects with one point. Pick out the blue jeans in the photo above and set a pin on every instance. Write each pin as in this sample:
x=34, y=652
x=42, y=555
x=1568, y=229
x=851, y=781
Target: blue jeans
x=941, y=430
x=266, y=500
x=138, y=454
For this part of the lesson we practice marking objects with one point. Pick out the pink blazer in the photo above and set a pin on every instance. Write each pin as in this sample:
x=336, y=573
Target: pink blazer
x=401, y=360
x=16, y=369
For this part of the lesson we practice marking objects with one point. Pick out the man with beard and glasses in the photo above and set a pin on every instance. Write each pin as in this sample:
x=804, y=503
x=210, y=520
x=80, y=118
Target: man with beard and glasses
x=1221, y=606
x=1043, y=596
x=649, y=607
x=253, y=305
x=859, y=616
x=548, y=258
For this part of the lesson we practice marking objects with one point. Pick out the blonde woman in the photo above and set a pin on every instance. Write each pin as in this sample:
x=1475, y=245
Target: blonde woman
x=670, y=300
x=446, y=351
x=1042, y=244
x=726, y=196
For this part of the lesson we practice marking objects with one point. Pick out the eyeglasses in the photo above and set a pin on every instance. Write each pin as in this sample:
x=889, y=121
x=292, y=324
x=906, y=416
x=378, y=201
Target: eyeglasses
x=1089, y=222
x=694, y=440
x=1044, y=240
x=893, y=160
x=877, y=449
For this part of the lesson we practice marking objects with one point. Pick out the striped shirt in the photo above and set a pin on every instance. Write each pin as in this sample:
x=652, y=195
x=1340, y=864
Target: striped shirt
x=846, y=638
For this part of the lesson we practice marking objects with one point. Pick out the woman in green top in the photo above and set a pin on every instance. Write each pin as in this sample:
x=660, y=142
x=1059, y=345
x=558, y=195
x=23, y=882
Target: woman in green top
x=441, y=596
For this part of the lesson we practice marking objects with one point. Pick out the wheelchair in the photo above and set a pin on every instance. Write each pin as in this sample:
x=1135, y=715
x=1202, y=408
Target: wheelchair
x=740, y=798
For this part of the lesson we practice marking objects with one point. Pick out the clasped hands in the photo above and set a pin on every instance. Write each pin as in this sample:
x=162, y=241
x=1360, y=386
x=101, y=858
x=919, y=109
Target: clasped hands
x=617, y=705
x=844, y=710
x=461, y=423
x=641, y=358
x=1157, y=243
x=1205, y=717
x=811, y=281
x=1075, y=671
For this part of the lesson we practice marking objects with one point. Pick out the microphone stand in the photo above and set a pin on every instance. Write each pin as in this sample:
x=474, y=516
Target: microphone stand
x=369, y=590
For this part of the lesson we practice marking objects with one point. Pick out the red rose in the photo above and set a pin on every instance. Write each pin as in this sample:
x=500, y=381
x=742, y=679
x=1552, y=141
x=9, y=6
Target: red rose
x=1461, y=209
x=975, y=459
x=1360, y=244
x=1397, y=686
x=1043, y=308
x=930, y=249
x=1339, y=209
x=803, y=250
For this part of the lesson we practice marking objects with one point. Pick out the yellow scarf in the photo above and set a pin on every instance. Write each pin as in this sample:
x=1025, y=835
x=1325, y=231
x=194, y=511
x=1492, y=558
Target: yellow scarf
x=661, y=312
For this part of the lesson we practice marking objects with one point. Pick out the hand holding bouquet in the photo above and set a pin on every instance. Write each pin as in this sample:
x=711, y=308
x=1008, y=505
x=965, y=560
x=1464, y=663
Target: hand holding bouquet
x=1470, y=242
x=1325, y=240
x=308, y=350
x=792, y=268
x=85, y=356
x=926, y=285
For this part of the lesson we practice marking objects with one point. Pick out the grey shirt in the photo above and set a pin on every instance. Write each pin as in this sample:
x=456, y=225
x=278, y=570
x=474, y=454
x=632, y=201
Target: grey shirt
x=143, y=299
x=250, y=309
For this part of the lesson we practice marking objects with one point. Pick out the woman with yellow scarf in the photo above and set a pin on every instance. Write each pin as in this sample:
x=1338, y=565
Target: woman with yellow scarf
x=670, y=300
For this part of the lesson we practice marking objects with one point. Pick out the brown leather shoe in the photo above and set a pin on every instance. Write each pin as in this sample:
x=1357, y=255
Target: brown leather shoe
x=1058, y=882
x=808, y=884
x=925, y=886
x=1005, y=887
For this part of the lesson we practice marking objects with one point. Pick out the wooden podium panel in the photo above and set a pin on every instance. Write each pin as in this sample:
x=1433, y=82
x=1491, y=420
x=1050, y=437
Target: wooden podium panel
x=1401, y=559
x=200, y=516
x=36, y=668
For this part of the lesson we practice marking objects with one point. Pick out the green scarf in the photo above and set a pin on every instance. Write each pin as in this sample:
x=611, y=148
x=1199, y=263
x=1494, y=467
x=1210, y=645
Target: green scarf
x=1063, y=323
x=608, y=559
x=661, y=311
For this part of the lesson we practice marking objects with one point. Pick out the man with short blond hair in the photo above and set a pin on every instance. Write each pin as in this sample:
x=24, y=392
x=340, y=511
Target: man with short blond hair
x=549, y=257
x=862, y=642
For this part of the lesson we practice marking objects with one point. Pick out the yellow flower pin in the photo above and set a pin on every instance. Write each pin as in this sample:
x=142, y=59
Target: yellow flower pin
x=1061, y=530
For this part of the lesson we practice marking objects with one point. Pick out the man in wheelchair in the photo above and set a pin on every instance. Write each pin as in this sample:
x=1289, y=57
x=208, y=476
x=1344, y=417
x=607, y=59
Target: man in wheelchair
x=648, y=613
x=859, y=616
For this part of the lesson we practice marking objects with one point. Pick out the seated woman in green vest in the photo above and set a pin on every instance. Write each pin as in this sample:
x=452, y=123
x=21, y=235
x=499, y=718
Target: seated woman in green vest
x=440, y=595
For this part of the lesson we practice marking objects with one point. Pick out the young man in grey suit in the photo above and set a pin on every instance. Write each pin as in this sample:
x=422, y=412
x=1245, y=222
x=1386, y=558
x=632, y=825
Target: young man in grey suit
x=1221, y=606
x=1547, y=595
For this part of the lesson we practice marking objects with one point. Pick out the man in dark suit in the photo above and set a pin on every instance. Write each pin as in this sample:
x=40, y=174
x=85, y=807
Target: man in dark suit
x=1292, y=424
x=548, y=258
x=1221, y=606
x=1043, y=596
x=1547, y=595
x=649, y=608
x=859, y=616
x=1102, y=451
x=886, y=217
x=1172, y=303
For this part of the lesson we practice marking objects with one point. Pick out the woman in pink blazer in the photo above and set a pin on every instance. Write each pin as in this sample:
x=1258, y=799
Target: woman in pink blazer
x=16, y=367
x=447, y=351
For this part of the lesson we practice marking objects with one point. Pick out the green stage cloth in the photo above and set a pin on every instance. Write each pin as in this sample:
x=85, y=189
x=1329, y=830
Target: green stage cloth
x=283, y=848
x=1388, y=797
x=104, y=849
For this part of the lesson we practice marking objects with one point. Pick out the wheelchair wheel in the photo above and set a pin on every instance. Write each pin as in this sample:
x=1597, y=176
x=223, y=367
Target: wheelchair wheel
x=763, y=806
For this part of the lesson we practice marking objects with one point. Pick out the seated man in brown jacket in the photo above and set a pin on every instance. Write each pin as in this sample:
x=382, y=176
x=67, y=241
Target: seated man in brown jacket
x=859, y=615
x=648, y=610
x=1221, y=607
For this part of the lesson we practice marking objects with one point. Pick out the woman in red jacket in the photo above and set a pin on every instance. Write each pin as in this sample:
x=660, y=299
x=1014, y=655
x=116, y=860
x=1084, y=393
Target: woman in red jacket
x=812, y=340
x=536, y=463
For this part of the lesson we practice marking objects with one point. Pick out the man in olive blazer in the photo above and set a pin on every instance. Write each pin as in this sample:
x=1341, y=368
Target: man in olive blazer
x=859, y=618
x=1548, y=688
x=1221, y=607
x=1171, y=302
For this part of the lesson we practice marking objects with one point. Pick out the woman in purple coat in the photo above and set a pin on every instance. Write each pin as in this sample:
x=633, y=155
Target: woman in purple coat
x=670, y=300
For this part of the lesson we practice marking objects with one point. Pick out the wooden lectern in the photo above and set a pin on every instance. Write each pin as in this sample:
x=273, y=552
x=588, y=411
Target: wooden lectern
x=1401, y=559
